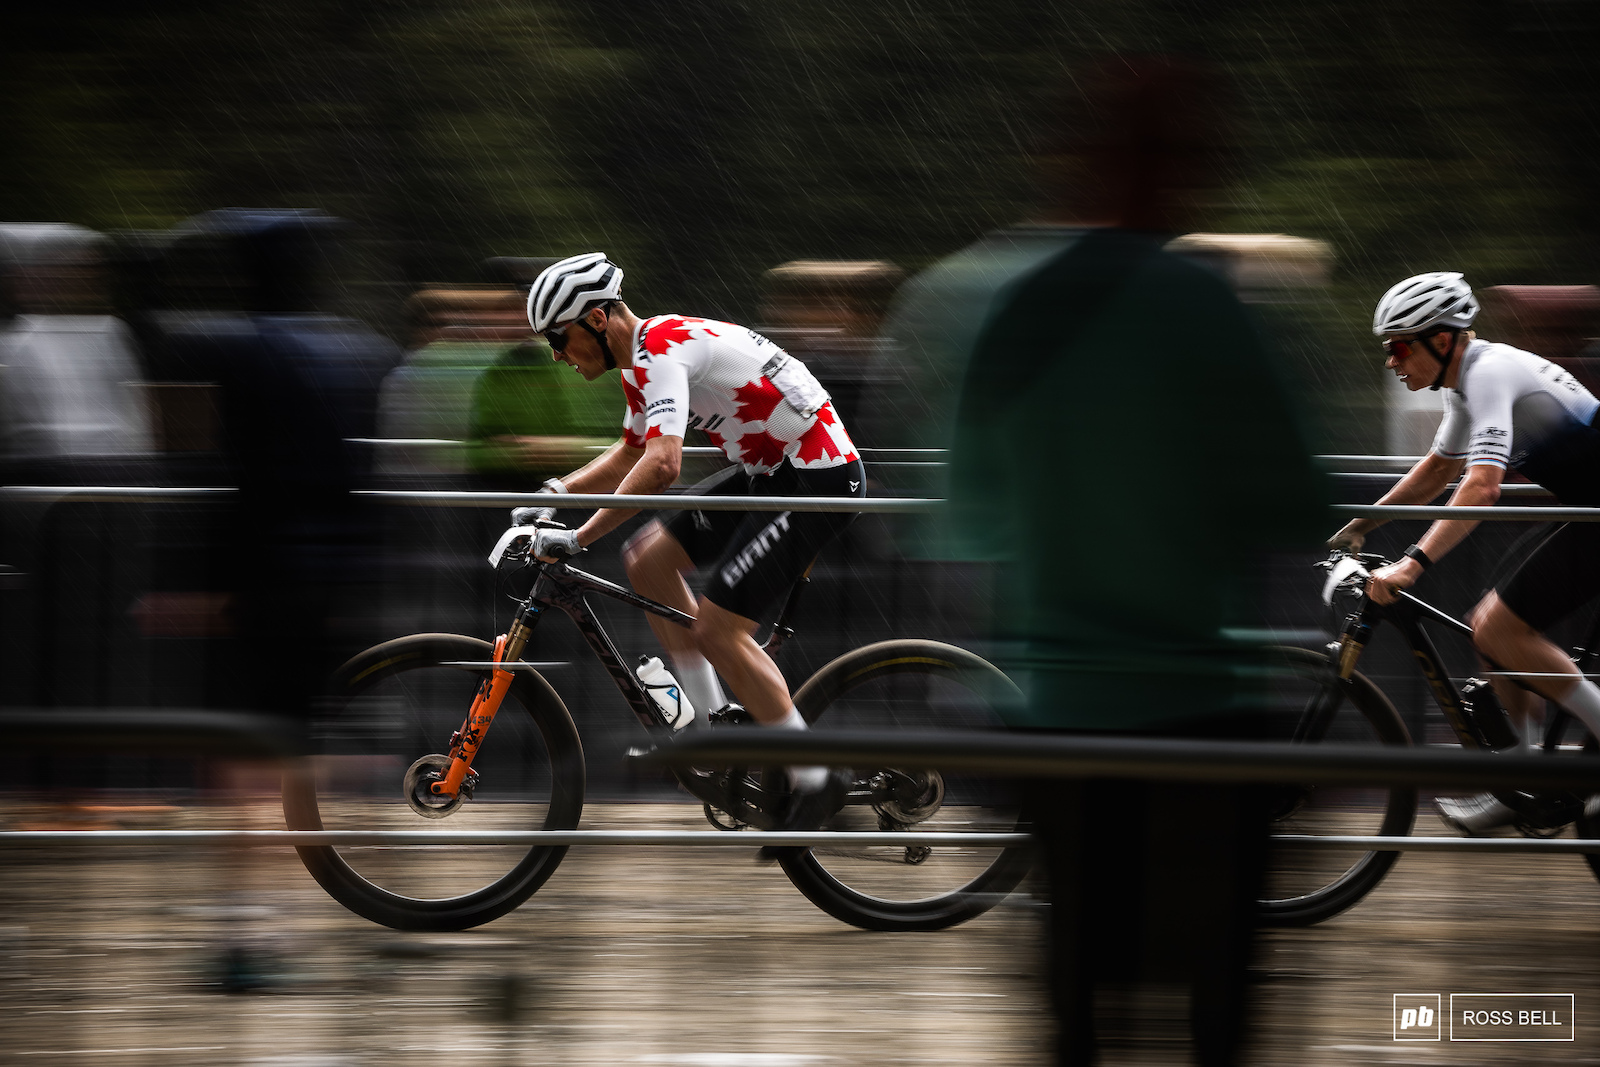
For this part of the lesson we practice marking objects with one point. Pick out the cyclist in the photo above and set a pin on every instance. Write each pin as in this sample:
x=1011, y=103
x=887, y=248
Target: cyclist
x=776, y=424
x=1503, y=407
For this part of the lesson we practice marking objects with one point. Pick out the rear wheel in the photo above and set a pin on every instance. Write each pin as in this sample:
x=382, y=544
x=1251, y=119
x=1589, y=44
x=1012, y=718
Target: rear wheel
x=1305, y=886
x=390, y=709
x=1588, y=822
x=912, y=685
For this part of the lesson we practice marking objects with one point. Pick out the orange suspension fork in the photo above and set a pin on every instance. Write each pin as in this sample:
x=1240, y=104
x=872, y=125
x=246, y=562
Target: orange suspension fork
x=507, y=648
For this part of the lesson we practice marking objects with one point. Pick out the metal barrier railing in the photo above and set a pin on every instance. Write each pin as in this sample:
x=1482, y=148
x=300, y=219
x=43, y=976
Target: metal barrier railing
x=109, y=494
x=652, y=502
x=1467, y=512
x=1046, y=755
x=169, y=730
x=357, y=838
x=1383, y=480
x=1031, y=754
x=674, y=501
x=743, y=839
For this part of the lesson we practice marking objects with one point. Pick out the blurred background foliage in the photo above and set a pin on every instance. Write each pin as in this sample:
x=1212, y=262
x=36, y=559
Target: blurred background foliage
x=702, y=141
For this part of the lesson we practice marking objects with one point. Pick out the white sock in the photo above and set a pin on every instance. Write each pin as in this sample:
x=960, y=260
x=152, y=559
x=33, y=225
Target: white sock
x=1584, y=703
x=1533, y=735
x=802, y=779
x=699, y=681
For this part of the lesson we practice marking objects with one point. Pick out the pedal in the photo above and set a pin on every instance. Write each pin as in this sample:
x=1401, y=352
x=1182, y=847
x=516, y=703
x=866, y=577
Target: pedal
x=731, y=714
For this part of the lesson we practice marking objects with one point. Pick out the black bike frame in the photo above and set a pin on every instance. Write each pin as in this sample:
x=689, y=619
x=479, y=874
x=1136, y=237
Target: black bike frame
x=562, y=586
x=1472, y=730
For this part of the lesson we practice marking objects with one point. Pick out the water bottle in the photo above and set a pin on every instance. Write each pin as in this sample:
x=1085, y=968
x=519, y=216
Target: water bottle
x=666, y=692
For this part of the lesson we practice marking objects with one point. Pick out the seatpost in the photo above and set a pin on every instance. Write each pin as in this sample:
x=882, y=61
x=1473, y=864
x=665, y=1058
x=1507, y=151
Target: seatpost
x=781, y=630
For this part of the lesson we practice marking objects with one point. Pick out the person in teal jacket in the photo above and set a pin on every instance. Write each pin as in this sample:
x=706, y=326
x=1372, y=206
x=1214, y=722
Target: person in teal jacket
x=1123, y=454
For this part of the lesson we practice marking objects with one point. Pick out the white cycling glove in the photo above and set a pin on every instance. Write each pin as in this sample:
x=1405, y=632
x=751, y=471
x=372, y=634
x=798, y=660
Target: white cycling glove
x=555, y=544
x=529, y=516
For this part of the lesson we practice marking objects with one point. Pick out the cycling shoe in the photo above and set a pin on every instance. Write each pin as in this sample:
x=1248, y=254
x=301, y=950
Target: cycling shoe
x=808, y=811
x=1474, y=816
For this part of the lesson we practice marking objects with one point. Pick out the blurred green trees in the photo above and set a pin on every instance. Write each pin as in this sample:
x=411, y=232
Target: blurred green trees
x=705, y=140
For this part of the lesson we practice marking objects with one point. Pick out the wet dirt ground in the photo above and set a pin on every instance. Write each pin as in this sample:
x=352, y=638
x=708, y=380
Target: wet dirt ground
x=694, y=956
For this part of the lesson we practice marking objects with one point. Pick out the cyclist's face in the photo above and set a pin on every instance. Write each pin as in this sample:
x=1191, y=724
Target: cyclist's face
x=1410, y=361
x=577, y=348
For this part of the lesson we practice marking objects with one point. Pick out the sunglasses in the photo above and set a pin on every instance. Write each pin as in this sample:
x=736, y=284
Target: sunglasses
x=557, y=339
x=1398, y=347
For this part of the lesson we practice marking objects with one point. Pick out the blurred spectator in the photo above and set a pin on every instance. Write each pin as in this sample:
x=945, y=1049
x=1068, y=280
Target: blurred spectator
x=828, y=312
x=298, y=388
x=425, y=407
x=71, y=413
x=68, y=369
x=1284, y=281
x=1124, y=450
x=530, y=422
x=929, y=336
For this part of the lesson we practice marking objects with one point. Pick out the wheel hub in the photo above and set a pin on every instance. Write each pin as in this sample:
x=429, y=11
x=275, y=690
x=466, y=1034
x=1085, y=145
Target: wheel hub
x=912, y=796
x=419, y=780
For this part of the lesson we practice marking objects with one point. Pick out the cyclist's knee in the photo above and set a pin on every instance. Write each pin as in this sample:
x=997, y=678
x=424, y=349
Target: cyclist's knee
x=1494, y=624
x=718, y=629
x=652, y=550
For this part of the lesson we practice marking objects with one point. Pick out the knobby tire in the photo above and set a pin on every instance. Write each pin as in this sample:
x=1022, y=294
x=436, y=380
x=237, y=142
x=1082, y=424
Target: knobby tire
x=938, y=664
x=1385, y=725
x=529, y=695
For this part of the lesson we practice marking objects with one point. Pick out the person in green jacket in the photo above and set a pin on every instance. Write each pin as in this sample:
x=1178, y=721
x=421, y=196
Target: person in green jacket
x=1123, y=454
x=531, y=421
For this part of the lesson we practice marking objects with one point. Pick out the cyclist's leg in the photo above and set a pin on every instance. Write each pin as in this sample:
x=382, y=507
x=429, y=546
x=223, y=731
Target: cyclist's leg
x=728, y=641
x=1561, y=575
x=759, y=563
x=656, y=564
x=659, y=556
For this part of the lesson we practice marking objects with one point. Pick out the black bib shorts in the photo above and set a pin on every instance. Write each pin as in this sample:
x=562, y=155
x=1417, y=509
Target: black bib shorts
x=1560, y=576
x=754, y=557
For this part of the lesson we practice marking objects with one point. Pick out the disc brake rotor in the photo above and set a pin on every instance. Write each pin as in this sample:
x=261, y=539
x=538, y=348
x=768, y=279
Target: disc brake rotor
x=419, y=776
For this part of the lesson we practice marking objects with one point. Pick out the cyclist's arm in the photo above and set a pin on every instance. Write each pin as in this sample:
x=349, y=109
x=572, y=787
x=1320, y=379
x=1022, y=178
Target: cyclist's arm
x=1422, y=483
x=654, y=471
x=605, y=472
x=1480, y=488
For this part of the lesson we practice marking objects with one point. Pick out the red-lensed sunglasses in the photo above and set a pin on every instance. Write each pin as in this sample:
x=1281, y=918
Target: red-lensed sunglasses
x=1400, y=347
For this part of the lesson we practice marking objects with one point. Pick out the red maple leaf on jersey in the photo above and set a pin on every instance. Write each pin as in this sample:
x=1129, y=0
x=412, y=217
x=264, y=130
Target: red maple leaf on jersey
x=654, y=431
x=756, y=400
x=716, y=438
x=760, y=449
x=663, y=333
x=817, y=442
x=635, y=393
x=825, y=414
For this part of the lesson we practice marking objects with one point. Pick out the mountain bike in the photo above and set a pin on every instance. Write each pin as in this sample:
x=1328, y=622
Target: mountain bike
x=1342, y=705
x=405, y=737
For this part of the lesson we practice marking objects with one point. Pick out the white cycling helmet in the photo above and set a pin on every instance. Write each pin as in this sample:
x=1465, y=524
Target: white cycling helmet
x=564, y=289
x=1440, y=298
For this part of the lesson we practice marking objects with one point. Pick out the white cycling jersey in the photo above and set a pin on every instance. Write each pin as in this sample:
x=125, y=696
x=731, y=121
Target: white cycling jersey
x=753, y=400
x=1514, y=409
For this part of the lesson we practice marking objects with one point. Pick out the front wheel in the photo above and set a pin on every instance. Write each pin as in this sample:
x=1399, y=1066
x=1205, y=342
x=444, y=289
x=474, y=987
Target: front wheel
x=390, y=709
x=1306, y=886
x=911, y=685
